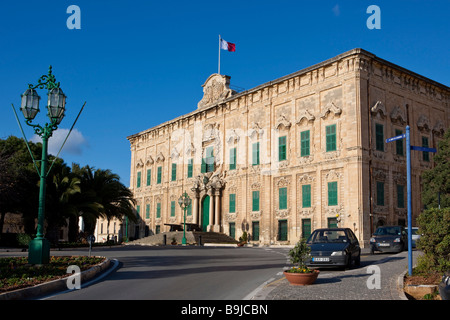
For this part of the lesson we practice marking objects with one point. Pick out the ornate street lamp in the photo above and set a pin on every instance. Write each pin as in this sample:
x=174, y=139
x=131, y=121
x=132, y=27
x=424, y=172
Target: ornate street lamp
x=184, y=201
x=39, y=247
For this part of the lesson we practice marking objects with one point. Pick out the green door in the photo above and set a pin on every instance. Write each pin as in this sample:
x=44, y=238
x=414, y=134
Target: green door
x=205, y=213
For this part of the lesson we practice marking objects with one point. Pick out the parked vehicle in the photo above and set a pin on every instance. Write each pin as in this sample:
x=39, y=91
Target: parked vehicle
x=444, y=286
x=333, y=247
x=389, y=239
x=414, y=236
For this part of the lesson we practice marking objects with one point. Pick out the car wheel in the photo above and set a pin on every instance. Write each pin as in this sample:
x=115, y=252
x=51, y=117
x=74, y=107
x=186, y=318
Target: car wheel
x=358, y=260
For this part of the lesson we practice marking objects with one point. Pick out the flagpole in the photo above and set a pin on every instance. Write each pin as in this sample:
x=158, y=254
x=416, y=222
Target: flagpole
x=219, y=55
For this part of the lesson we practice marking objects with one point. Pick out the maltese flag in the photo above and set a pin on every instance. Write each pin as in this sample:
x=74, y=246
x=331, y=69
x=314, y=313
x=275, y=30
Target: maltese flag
x=227, y=45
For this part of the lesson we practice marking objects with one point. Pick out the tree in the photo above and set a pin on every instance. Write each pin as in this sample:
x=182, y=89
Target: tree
x=437, y=180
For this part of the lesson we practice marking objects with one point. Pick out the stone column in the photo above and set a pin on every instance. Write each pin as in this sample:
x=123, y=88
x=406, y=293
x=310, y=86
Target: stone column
x=195, y=211
x=211, y=210
x=217, y=211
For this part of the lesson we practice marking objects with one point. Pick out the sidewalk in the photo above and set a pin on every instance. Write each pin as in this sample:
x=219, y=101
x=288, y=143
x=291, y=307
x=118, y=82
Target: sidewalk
x=353, y=284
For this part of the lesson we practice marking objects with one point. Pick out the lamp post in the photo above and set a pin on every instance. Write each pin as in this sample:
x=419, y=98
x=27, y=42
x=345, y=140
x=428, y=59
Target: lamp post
x=39, y=247
x=184, y=201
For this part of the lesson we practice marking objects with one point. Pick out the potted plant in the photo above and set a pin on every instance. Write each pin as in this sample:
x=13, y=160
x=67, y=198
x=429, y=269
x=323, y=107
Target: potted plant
x=174, y=241
x=243, y=240
x=300, y=274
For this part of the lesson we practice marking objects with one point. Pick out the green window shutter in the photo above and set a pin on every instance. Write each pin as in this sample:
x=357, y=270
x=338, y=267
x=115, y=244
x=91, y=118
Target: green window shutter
x=332, y=223
x=159, y=177
x=255, y=201
x=282, y=148
x=306, y=228
x=332, y=193
x=232, y=203
x=189, y=210
x=304, y=143
x=138, y=180
x=399, y=143
x=380, y=193
x=203, y=168
x=232, y=229
x=306, y=196
x=255, y=231
x=282, y=198
x=330, y=137
x=255, y=153
x=400, y=196
x=158, y=210
x=379, y=137
x=425, y=154
x=174, y=171
x=149, y=177
x=172, y=208
x=147, y=211
x=232, y=158
x=282, y=230
x=190, y=170
x=209, y=160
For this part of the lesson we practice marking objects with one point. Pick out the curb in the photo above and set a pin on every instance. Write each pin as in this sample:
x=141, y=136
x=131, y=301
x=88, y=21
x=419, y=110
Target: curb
x=50, y=287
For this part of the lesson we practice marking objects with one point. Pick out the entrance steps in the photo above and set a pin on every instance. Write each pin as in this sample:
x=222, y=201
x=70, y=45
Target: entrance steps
x=192, y=238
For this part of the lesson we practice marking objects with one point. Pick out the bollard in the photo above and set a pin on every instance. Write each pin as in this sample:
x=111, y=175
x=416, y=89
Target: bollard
x=164, y=239
x=199, y=240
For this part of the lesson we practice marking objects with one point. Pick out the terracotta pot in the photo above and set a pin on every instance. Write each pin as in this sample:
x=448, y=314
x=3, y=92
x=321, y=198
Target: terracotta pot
x=301, y=279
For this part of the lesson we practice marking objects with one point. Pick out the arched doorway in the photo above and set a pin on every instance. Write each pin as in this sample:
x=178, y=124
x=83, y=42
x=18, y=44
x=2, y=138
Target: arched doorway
x=205, y=212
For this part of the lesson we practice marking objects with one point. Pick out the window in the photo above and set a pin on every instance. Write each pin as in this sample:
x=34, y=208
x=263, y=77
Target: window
x=306, y=196
x=172, y=208
x=399, y=143
x=208, y=161
x=400, y=196
x=147, y=211
x=190, y=169
x=332, y=193
x=282, y=148
x=157, y=229
x=158, y=210
x=330, y=137
x=380, y=193
x=306, y=228
x=174, y=171
x=232, y=230
x=255, y=230
x=233, y=159
x=255, y=154
x=425, y=154
x=159, y=177
x=332, y=223
x=189, y=210
x=282, y=230
x=138, y=180
x=304, y=143
x=255, y=201
x=149, y=177
x=379, y=137
x=232, y=203
x=282, y=198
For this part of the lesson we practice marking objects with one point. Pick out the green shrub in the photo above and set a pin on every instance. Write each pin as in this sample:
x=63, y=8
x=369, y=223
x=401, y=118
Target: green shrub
x=23, y=239
x=434, y=227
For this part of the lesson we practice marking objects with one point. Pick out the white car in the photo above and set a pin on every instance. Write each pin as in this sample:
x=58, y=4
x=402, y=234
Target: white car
x=415, y=236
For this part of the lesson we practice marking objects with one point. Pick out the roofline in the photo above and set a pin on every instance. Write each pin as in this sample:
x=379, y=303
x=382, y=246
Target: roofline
x=346, y=54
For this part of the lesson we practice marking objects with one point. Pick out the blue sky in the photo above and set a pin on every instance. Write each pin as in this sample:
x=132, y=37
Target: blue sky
x=141, y=63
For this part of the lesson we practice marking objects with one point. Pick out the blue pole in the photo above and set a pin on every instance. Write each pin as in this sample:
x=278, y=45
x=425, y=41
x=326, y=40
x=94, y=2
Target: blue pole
x=408, y=186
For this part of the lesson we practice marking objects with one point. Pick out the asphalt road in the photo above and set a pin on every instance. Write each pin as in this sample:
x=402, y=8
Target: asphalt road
x=181, y=273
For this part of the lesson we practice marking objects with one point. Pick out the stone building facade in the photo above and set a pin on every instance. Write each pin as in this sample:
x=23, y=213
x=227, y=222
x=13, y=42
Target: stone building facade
x=295, y=154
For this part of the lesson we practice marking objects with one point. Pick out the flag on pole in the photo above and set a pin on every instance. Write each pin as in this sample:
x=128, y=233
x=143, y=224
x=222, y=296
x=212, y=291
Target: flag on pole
x=225, y=45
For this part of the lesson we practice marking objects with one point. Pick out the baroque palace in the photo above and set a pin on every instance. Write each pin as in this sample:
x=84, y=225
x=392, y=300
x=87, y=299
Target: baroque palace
x=298, y=153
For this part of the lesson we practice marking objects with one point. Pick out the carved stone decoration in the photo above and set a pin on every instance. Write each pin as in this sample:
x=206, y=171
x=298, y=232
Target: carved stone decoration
x=190, y=150
x=215, y=90
x=398, y=115
x=305, y=114
x=175, y=154
x=282, y=121
x=380, y=108
x=423, y=123
x=232, y=136
x=255, y=131
x=160, y=157
x=330, y=107
x=439, y=128
x=282, y=213
x=139, y=164
x=150, y=160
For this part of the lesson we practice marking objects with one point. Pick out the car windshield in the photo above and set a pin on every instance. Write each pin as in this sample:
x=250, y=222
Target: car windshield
x=328, y=236
x=388, y=231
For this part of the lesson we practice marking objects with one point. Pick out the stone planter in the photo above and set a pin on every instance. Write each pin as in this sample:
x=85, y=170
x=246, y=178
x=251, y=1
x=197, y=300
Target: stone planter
x=301, y=279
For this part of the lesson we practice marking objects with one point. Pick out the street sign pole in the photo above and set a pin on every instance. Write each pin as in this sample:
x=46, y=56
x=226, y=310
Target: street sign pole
x=408, y=188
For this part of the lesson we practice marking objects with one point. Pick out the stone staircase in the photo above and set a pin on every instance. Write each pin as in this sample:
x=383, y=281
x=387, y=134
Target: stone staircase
x=192, y=238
